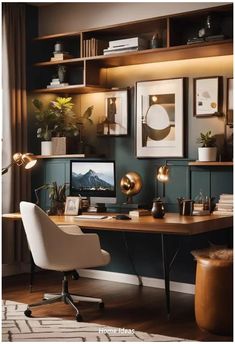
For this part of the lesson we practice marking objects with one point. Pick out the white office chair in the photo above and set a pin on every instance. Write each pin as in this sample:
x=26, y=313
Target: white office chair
x=62, y=249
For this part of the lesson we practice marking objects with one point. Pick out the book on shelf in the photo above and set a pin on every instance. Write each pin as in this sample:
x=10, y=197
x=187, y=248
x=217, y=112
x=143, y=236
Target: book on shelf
x=93, y=47
x=140, y=47
x=125, y=50
x=139, y=212
x=132, y=41
x=63, y=84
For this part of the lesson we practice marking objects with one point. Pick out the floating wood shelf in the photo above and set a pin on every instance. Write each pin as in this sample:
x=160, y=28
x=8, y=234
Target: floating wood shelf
x=59, y=35
x=59, y=156
x=211, y=163
x=164, y=54
x=73, y=61
x=72, y=89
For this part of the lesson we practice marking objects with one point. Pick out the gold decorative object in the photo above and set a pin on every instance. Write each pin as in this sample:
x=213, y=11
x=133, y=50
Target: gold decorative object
x=163, y=174
x=131, y=185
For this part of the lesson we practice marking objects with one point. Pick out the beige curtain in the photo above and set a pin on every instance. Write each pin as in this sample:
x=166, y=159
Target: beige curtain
x=16, y=183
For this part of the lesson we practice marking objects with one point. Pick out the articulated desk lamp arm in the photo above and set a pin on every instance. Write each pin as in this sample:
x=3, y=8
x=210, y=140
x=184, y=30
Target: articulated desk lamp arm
x=19, y=159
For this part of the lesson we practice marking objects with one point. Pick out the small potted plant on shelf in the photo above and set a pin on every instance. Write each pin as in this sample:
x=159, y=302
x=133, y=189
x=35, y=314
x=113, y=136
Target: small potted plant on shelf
x=46, y=121
x=208, y=151
x=66, y=124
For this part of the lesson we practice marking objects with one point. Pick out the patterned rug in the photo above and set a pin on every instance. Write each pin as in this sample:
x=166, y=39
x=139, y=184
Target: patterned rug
x=16, y=327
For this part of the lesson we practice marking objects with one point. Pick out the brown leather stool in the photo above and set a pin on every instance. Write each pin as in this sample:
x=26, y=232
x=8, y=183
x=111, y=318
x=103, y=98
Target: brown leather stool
x=214, y=290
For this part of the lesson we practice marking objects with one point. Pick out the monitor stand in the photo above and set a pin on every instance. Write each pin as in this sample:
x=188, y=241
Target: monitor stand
x=97, y=208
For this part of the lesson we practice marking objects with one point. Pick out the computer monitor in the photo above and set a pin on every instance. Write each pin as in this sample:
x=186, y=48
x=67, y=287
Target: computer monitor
x=95, y=179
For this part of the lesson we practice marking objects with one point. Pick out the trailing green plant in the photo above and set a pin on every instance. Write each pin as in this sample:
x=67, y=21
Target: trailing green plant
x=207, y=139
x=45, y=119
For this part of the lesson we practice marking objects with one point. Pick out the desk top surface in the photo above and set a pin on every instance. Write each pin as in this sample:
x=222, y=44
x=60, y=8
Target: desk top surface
x=172, y=223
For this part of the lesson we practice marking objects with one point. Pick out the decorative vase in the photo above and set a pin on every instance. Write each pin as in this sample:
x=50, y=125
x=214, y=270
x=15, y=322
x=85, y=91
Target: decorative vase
x=207, y=153
x=158, y=210
x=58, y=145
x=46, y=148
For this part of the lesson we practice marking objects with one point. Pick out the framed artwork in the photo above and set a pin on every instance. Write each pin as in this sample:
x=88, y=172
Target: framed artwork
x=207, y=100
x=159, y=118
x=115, y=119
x=229, y=112
x=72, y=205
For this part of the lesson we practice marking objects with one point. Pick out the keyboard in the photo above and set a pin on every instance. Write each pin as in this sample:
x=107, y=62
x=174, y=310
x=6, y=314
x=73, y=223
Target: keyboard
x=91, y=217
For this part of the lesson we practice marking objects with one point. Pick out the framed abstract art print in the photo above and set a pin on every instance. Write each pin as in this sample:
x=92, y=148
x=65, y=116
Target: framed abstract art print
x=160, y=118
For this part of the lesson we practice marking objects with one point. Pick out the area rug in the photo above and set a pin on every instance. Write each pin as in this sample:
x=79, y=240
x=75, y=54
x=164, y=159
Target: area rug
x=16, y=327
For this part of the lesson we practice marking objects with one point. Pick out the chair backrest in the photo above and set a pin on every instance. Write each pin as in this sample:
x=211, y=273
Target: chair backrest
x=42, y=233
x=54, y=249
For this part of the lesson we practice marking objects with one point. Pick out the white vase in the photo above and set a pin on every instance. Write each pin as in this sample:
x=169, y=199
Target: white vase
x=46, y=148
x=207, y=153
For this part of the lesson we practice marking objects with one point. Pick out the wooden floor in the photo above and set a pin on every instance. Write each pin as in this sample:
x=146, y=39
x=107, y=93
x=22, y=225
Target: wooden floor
x=126, y=306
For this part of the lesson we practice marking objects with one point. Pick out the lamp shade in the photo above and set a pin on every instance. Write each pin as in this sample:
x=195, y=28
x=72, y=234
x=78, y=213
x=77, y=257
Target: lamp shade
x=28, y=160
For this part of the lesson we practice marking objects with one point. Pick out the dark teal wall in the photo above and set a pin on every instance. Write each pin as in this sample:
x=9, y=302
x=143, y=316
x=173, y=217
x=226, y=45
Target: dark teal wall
x=184, y=181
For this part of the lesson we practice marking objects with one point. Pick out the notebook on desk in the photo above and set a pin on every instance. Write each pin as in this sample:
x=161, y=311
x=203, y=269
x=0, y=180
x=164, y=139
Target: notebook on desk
x=91, y=217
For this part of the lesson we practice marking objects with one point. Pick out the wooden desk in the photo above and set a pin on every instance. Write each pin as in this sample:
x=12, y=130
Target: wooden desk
x=172, y=223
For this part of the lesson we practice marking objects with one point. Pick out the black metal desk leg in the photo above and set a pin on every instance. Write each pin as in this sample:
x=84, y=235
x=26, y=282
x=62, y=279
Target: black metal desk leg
x=32, y=270
x=166, y=271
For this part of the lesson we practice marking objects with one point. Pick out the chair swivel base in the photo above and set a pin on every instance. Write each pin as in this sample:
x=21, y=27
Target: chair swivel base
x=65, y=297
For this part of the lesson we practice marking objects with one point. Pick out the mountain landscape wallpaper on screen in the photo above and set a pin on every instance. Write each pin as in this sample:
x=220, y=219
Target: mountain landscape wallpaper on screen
x=92, y=181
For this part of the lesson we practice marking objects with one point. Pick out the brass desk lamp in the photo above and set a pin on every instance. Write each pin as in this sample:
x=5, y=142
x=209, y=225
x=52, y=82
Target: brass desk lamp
x=26, y=159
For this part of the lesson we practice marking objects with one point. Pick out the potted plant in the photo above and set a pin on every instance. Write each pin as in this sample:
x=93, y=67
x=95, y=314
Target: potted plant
x=208, y=151
x=66, y=124
x=57, y=196
x=45, y=120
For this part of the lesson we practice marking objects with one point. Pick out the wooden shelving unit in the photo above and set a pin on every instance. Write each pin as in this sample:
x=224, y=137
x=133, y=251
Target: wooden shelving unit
x=211, y=163
x=69, y=156
x=173, y=46
x=72, y=89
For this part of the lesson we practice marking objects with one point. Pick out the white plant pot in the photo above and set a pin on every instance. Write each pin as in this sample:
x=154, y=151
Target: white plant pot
x=207, y=153
x=46, y=148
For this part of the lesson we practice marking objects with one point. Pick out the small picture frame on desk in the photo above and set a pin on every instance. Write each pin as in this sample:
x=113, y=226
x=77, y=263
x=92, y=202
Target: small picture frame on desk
x=72, y=205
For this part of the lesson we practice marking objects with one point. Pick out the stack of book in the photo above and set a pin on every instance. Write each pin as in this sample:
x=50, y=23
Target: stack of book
x=93, y=47
x=225, y=205
x=139, y=212
x=56, y=83
x=61, y=56
x=126, y=45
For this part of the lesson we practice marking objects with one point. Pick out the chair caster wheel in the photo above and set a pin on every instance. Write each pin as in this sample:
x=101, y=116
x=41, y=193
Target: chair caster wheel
x=101, y=305
x=28, y=312
x=79, y=317
x=75, y=276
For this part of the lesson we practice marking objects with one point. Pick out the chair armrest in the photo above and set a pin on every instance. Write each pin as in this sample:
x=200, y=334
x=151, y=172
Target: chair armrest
x=71, y=229
x=77, y=251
